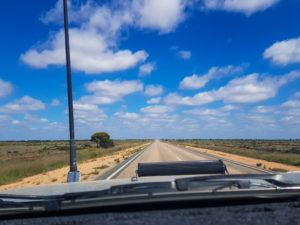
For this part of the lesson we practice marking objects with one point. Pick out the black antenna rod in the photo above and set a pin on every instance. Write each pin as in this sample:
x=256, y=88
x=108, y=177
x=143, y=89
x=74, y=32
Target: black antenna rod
x=74, y=174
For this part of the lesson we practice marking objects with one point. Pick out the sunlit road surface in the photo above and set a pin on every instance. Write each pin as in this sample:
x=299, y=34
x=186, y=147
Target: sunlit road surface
x=164, y=152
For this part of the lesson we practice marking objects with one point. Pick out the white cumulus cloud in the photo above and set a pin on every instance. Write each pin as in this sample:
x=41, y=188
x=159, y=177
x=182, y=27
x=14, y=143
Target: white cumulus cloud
x=23, y=105
x=254, y=88
x=183, y=54
x=146, y=69
x=204, y=112
x=35, y=119
x=5, y=88
x=247, y=7
x=198, y=81
x=284, y=52
x=107, y=91
x=159, y=15
x=95, y=32
x=229, y=107
x=248, y=89
x=90, y=53
x=127, y=115
x=156, y=109
x=263, y=109
x=153, y=90
x=154, y=100
x=198, y=99
x=290, y=104
x=88, y=114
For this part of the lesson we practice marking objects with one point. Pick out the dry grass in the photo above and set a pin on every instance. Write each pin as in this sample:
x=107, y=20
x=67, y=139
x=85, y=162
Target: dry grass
x=279, y=170
x=281, y=151
x=90, y=170
x=101, y=167
x=24, y=159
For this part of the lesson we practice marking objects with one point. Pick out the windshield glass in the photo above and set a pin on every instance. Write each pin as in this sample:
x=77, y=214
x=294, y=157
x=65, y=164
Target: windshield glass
x=142, y=89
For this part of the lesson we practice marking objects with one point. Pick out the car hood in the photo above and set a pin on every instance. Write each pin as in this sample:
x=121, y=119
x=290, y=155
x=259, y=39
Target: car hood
x=98, y=185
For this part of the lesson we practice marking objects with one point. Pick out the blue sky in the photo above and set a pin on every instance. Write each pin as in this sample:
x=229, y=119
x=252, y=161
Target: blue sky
x=152, y=69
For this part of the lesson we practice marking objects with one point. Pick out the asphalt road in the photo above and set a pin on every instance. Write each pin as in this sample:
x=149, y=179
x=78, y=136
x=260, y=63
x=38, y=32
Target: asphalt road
x=162, y=152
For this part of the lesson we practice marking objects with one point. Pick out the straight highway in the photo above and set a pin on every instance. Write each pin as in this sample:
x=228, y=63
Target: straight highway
x=165, y=152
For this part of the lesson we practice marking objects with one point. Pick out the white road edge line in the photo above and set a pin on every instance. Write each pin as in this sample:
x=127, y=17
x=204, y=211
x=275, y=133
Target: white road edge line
x=225, y=160
x=128, y=162
x=235, y=162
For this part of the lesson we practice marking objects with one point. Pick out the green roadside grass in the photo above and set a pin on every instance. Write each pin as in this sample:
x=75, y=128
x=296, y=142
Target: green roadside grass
x=23, y=159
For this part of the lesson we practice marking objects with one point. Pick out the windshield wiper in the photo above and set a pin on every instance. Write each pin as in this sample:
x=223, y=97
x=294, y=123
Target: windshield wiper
x=244, y=184
x=23, y=204
x=54, y=202
x=214, y=184
x=125, y=189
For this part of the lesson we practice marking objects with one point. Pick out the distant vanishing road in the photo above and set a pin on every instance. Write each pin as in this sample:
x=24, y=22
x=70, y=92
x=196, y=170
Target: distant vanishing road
x=162, y=152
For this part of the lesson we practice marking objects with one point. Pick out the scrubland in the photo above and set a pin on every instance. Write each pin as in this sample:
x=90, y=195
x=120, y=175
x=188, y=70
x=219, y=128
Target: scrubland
x=281, y=151
x=21, y=159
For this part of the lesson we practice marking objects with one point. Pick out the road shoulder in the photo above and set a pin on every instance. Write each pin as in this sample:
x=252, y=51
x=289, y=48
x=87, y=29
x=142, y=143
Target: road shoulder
x=259, y=163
